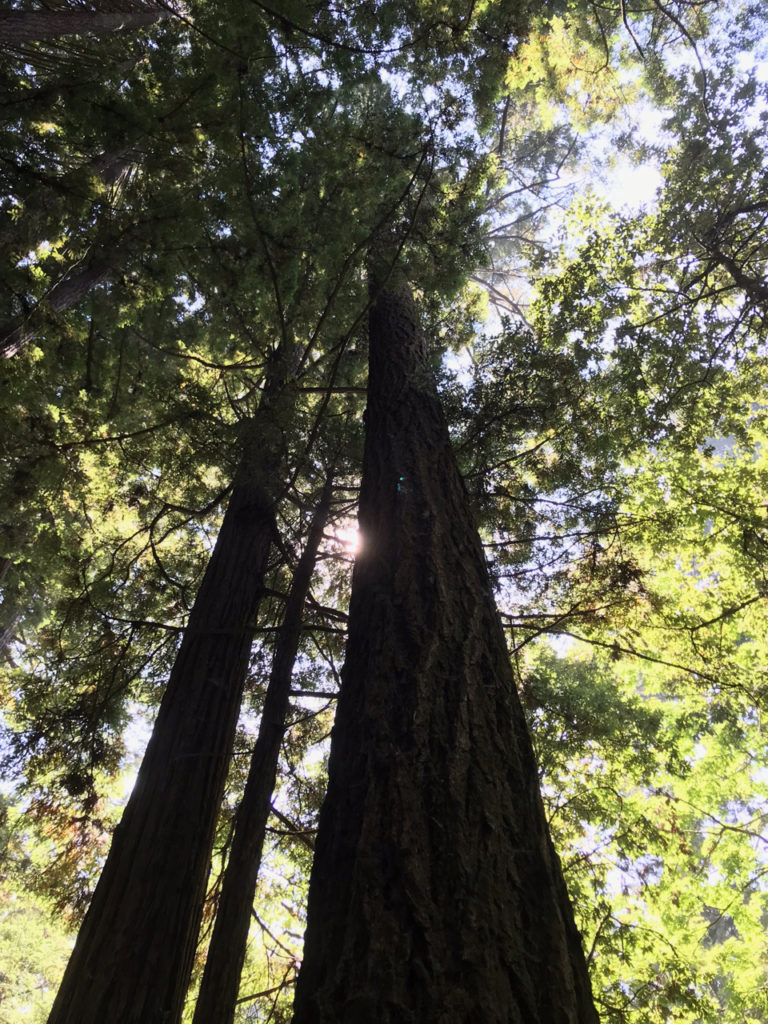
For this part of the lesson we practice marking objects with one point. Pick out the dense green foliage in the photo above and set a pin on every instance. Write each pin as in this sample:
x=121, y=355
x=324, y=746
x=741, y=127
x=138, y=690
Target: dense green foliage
x=211, y=188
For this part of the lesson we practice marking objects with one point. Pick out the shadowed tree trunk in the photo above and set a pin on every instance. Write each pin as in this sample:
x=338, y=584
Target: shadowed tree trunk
x=51, y=206
x=65, y=294
x=7, y=629
x=133, y=956
x=221, y=981
x=436, y=895
x=20, y=27
x=10, y=617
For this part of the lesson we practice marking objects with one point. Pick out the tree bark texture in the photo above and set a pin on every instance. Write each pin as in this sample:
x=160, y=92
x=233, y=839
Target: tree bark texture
x=436, y=896
x=133, y=956
x=20, y=27
x=217, y=998
x=65, y=294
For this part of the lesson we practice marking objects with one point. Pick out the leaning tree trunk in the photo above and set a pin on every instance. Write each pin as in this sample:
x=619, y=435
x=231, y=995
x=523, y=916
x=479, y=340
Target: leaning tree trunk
x=65, y=294
x=50, y=207
x=133, y=956
x=20, y=27
x=221, y=980
x=10, y=617
x=436, y=894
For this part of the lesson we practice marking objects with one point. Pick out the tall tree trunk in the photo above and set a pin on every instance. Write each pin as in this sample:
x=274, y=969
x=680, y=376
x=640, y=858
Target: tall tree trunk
x=221, y=980
x=65, y=293
x=20, y=27
x=436, y=894
x=10, y=617
x=7, y=630
x=133, y=956
x=51, y=205
x=112, y=168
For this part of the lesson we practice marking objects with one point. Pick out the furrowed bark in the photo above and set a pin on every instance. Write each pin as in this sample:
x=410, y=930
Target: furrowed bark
x=221, y=980
x=436, y=895
x=133, y=956
x=20, y=27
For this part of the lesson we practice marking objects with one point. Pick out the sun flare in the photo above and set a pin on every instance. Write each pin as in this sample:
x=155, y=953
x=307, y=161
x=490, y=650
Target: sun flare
x=349, y=538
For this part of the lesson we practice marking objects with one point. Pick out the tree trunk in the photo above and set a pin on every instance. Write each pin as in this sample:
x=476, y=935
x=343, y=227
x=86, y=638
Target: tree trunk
x=221, y=980
x=133, y=956
x=7, y=630
x=112, y=168
x=11, y=618
x=50, y=206
x=66, y=293
x=20, y=27
x=436, y=895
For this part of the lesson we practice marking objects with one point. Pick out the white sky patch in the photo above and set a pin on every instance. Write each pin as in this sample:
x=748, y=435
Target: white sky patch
x=136, y=739
x=460, y=363
x=749, y=61
x=627, y=185
x=632, y=188
x=561, y=645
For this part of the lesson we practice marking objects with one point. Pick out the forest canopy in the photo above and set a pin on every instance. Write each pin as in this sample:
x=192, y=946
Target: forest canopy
x=204, y=207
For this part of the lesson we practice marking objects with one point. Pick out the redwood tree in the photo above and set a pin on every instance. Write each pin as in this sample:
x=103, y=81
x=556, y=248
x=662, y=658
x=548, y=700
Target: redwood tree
x=135, y=949
x=19, y=27
x=217, y=999
x=436, y=894
x=68, y=291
